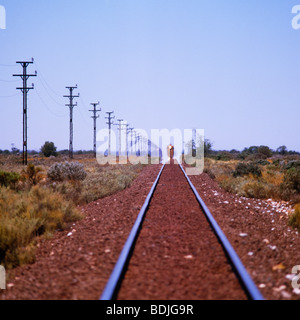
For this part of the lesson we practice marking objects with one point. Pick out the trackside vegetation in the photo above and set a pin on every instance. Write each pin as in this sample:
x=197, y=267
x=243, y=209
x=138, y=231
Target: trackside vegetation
x=42, y=198
x=258, y=172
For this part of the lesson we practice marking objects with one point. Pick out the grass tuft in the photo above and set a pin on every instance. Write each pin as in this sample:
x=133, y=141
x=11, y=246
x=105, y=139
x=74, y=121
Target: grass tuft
x=24, y=217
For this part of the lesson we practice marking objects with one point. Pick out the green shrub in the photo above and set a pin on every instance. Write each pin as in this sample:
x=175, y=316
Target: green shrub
x=49, y=149
x=9, y=179
x=265, y=150
x=224, y=156
x=243, y=169
x=292, y=164
x=262, y=162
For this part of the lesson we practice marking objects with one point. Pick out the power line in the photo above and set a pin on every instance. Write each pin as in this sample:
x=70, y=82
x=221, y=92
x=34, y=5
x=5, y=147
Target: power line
x=13, y=95
x=50, y=96
x=25, y=89
x=46, y=105
x=83, y=116
x=9, y=81
x=7, y=65
x=46, y=83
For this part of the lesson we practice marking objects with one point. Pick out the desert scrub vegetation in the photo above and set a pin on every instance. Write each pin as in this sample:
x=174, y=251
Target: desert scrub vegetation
x=294, y=219
x=9, y=179
x=98, y=182
x=73, y=171
x=257, y=179
x=40, y=199
x=24, y=216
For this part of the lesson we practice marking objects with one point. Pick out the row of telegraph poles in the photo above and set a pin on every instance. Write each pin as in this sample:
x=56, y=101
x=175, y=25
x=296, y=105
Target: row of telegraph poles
x=71, y=96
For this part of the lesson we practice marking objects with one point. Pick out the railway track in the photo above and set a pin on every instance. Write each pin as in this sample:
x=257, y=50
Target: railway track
x=177, y=251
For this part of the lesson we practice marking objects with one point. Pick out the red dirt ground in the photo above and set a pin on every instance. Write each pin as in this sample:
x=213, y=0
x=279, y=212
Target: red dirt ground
x=76, y=263
x=177, y=255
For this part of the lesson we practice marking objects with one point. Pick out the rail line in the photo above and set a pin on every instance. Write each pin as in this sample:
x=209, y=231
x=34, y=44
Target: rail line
x=113, y=285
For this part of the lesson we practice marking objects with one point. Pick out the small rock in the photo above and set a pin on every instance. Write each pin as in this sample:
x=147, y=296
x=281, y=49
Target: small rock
x=296, y=290
x=281, y=288
x=250, y=254
x=290, y=276
x=69, y=234
x=188, y=257
x=286, y=295
x=243, y=235
x=272, y=247
x=262, y=285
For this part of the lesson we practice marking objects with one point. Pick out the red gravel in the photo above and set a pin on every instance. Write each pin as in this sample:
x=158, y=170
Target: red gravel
x=78, y=266
x=259, y=233
x=177, y=255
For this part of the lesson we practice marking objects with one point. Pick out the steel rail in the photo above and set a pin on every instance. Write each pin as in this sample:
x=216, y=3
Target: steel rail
x=115, y=279
x=241, y=272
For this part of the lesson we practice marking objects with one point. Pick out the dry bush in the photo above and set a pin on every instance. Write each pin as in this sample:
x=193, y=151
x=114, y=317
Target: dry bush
x=247, y=180
x=256, y=189
x=99, y=183
x=24, y=216
x=32, y=174
x=67, y=171
x=49, y=206
x=290, y=187
x=294, y=219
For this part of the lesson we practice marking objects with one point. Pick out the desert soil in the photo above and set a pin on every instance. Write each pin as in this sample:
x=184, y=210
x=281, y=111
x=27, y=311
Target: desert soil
x=76, y=263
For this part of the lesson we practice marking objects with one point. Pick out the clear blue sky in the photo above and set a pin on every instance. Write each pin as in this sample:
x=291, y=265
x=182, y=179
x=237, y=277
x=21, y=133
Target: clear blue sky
x=229, y=67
